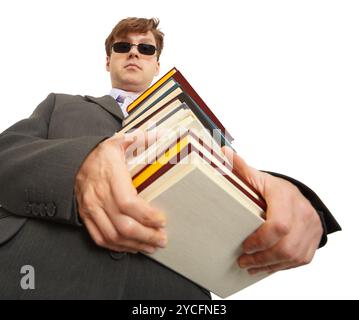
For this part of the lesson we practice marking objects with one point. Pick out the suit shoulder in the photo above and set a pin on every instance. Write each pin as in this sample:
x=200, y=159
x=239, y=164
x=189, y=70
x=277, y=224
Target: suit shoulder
x=63, y=98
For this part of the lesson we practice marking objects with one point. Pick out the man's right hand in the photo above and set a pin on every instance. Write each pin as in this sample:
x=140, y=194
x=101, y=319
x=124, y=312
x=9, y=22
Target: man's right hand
x=114, y=214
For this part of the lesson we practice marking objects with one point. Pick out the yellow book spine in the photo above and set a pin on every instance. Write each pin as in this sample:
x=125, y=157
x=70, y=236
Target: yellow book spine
x=144, y=95
x=160, y=162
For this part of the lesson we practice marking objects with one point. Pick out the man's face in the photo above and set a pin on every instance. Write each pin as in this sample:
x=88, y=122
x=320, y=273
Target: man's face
x=133, y=71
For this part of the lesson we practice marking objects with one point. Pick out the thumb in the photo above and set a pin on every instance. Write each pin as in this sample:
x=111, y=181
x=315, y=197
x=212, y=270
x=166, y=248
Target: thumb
x=127, y=141
x=236, y=161
x=124, y=140
x=244, y=171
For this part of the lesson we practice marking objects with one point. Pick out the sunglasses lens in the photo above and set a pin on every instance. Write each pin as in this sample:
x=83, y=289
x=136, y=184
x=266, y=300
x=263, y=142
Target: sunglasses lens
x=147, y=49
x=122, y=47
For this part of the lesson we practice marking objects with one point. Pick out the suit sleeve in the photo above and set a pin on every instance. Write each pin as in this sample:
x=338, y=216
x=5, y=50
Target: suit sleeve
x=329, y=223
x=37, y=174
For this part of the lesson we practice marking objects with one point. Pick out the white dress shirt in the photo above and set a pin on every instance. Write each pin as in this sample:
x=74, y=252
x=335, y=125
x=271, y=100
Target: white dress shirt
x=128, y=98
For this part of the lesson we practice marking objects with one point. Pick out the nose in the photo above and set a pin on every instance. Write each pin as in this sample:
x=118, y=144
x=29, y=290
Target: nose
x=133, y=51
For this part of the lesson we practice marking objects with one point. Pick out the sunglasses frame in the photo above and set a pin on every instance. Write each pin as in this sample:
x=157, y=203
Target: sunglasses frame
x=139, y=47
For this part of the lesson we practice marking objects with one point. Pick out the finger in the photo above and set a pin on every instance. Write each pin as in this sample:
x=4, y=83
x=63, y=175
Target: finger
x=271, y=268
x=287, y=252
x=260, y=259
x=120, y=249
x=144, y=213
x=134, y=247
x=236, y=161
x=123, y=198
x=131, y=230
x=105, y=227
x=113, y=239
x=229, y=153
x=142, y=140
x=99, y=239
x=133, y=142
x=278, y=224
x=138, y=145
x=266, y=236
x=125, y=140
x=250, y=175
x=94, y=232
x=128, y=141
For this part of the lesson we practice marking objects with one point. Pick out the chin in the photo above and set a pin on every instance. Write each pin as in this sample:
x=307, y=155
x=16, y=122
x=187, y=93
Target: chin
x=133, y=86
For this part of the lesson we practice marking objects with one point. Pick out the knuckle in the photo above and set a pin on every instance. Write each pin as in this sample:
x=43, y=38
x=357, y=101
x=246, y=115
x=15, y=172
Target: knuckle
x=308, y=211
x=256, y=244
x=100, y=241
x=127, y=228
x=289, y=191
x=292, y=189
x=306, y=260
x=147, y=248
x=298, y=261
x=126, y=204
x=84, y=214
x=118, y=135
x=147, y=216
x=287, y=253
x=272, y=268
x=120, y=249
x=281, y=228
x=153, y=238
x=257, y=259
x=302, y=260
x=104, y=145
x=87, y=202
x=100, y=193
x=112, y=142
x=93, y=213
x=112, y=237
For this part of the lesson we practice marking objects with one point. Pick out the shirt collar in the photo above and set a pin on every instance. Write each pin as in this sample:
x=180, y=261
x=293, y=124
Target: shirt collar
x=115, y=92
x=128, y=98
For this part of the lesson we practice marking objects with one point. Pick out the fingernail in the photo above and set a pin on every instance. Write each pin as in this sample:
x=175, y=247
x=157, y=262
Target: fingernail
x=162, y=242
x=250, y=250
x=242, y=265
x=149, y=249
x=160, y=219
x=162, y=223
x=252, y=271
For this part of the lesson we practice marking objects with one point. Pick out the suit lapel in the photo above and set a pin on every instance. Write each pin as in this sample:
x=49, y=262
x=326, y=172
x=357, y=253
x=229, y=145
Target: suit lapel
x=108, y=103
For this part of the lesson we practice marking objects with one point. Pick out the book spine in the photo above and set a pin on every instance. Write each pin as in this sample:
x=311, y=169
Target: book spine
x=188, y=88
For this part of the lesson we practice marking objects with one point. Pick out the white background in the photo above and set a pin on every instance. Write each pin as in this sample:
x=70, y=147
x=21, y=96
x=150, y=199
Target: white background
x=283, y=76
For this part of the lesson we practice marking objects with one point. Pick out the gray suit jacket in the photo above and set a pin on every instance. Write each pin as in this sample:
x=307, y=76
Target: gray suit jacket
x=39, y=224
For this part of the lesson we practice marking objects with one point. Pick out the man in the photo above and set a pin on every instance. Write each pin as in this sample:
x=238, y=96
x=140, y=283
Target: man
x=69, y=210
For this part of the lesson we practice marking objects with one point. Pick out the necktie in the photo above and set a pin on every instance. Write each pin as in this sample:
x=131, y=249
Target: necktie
x=121, y=100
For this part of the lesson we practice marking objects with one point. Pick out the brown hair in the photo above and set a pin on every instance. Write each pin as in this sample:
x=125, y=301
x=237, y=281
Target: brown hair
x=137, y=25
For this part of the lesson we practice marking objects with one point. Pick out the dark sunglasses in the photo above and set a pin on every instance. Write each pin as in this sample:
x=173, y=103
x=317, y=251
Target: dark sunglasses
x=124, y=47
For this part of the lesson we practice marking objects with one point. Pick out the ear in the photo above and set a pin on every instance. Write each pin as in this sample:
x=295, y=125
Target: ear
x=157, y=69
x=108, y=59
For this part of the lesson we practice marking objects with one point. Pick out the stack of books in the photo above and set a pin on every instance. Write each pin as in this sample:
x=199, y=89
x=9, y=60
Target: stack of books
x=210, y=208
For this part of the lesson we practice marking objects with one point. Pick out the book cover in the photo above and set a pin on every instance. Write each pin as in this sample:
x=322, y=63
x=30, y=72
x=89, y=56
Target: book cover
x=209, y=216
x=176, y=75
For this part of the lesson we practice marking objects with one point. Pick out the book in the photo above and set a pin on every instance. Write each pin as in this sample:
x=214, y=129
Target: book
x=167, y=88
x=211, y=209
x=165, y=106
x=210, y=212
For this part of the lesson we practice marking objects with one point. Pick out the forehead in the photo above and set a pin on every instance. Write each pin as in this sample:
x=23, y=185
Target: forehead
x=147, y=37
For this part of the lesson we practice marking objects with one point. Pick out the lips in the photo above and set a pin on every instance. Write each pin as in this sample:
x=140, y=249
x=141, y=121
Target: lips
x=132, y=65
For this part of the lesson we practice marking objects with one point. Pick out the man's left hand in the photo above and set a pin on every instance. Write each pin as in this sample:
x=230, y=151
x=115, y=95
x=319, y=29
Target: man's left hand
x=292, y=230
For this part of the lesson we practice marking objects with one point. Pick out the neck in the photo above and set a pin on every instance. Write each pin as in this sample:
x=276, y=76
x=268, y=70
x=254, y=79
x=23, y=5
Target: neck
x=129, y=92
x=130, y=89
